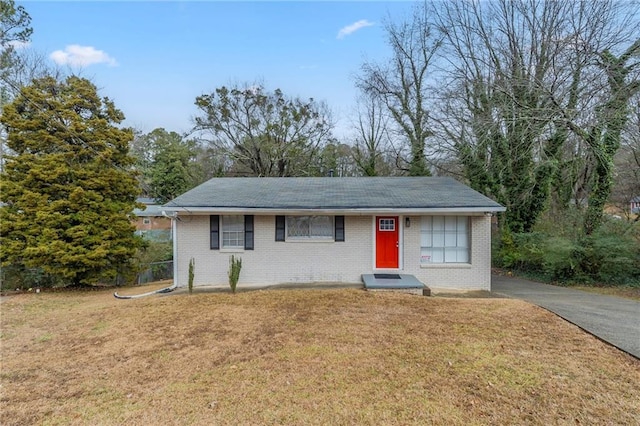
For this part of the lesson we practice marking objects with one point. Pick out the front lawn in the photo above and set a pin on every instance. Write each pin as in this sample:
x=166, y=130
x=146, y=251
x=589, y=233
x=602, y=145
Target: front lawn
x=304, y=357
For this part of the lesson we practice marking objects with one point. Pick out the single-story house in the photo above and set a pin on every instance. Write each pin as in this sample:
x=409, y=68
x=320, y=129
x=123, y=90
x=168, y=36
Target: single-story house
x=313, y=230
x=150, y=222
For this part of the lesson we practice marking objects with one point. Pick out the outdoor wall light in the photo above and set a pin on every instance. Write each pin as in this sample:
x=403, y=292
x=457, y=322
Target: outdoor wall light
x=407, y=222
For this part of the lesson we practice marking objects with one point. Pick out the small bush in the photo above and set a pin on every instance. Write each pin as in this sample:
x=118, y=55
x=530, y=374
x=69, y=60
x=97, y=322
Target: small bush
x=507, y=253
x=558, y=258
x=235, y=265
x=613, y=253
x=522, y=251
x=192, y=273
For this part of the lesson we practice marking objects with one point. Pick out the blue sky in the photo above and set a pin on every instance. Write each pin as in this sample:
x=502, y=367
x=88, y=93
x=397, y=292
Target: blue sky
x=154, y=58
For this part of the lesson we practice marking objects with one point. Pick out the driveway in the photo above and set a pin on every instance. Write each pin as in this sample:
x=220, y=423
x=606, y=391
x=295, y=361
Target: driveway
x=613, y=319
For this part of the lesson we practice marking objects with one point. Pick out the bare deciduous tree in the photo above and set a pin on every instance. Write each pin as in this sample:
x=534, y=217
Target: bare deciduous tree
x=520, y=76
x=372, y=136
x=610, y=119
x=402, y=84
x=627, y=163
x=265, y=133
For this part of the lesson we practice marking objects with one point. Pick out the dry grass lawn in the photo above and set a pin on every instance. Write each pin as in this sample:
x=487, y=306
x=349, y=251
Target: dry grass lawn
x=304, y=357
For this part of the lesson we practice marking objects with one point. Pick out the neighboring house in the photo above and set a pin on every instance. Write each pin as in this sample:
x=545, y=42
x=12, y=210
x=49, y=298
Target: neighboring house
x=150, y=222
x=307, y=230
x=634, y=205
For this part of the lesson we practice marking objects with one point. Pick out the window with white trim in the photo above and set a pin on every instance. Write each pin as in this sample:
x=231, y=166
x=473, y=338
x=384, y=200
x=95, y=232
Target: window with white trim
x=386, y=224
x=233, y=231
x=444, y=239
x=310, y=227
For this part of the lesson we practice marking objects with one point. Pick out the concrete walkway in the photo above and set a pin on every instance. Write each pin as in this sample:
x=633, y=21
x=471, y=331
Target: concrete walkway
x=613, y=319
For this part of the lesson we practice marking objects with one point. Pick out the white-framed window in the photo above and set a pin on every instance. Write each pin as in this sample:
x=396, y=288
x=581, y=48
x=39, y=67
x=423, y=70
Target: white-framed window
x=233, y=231
x=445, y=239
x=146, y=221
x=388, y=224
x=310, y=228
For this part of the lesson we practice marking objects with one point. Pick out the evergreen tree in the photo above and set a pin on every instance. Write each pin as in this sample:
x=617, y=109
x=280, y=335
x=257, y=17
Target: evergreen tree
x=67, y=189
x=170, y=173
x=167, y=164
x=14, y=28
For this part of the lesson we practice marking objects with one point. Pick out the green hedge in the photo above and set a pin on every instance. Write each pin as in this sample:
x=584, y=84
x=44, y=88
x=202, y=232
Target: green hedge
x=557, y=251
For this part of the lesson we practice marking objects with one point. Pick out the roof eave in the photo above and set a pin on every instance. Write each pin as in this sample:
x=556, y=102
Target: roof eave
x=478, y=210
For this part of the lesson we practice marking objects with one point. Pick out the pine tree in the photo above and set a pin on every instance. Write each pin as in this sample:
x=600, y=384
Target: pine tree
x=67, y=190
x=167, y=164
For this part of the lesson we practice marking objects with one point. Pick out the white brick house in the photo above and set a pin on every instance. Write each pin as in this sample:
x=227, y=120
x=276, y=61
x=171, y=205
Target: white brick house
x=310, y=230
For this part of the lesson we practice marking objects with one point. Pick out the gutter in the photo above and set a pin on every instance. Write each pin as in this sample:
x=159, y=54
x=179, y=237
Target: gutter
x=479, y=211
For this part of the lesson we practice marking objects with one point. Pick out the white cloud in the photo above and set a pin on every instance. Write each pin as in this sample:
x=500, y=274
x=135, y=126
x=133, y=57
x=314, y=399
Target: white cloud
x=76, y=55
x=352, y=28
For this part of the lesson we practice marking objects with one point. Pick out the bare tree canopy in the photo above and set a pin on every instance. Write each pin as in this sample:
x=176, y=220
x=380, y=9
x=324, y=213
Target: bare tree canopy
x=627, y=163
x=522, y=79
x=371, y=142
x=402, y=84
x=265, y=133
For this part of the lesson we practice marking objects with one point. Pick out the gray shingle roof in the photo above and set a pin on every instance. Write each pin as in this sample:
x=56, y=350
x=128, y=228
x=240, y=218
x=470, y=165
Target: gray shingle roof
x=326, y=193
x=151, y=210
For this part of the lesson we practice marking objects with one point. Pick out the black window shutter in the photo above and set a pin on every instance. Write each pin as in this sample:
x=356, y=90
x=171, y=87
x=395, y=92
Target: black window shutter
x=248, y=232
x=279, y=228
x=214, y=225
x=339, y=224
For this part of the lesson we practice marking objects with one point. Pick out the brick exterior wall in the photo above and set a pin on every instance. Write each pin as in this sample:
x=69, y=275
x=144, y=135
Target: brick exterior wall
x=155, y=222
x=307, y=262
x=442, y=277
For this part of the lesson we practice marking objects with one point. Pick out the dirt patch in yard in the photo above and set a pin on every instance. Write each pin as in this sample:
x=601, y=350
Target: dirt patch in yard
x=305, y=357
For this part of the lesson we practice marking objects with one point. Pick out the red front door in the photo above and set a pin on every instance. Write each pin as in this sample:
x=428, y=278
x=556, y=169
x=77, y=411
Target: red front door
x=387, y=242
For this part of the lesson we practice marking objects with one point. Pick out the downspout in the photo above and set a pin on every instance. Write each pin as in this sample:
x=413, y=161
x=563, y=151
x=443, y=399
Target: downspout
x=174, y=234
x=174, y=238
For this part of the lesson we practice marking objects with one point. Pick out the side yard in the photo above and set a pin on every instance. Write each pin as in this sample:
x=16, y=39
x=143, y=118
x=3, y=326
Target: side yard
x=304, y=357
